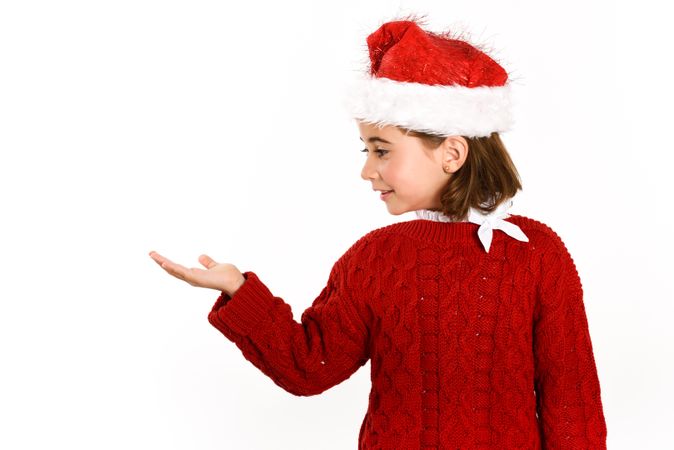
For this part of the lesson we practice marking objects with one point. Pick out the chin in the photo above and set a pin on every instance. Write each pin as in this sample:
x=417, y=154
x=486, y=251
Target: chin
x=397, y=211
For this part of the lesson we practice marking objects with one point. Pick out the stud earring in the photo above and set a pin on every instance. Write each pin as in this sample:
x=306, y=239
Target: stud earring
x=446, y=169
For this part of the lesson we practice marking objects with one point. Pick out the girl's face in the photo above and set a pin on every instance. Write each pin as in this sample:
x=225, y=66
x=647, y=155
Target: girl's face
x=401, y=163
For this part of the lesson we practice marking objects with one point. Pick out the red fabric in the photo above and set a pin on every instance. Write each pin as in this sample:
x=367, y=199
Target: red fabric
x=403, y=51
x=468, y=349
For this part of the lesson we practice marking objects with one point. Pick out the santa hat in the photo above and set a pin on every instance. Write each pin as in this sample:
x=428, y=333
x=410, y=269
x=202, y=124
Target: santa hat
x=430, y=82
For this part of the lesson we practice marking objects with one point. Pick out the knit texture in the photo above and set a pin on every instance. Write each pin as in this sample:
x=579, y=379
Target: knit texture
x=468, y=349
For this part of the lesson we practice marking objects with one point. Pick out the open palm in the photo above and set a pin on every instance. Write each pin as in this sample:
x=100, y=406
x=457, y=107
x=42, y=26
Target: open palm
x=222, y=277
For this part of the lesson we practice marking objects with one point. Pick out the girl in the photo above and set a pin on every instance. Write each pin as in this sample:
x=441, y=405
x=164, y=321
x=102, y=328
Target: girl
x=474, y=325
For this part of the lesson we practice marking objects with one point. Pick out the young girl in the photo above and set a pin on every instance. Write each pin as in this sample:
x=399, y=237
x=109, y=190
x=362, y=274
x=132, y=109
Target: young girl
x=474, y=325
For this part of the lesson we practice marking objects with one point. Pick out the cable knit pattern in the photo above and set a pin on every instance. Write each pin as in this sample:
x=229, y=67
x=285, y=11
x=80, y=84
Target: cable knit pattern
x=469, y=349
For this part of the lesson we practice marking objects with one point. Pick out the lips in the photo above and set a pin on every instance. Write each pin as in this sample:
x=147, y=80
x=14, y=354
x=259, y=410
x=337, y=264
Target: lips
x=385, y=194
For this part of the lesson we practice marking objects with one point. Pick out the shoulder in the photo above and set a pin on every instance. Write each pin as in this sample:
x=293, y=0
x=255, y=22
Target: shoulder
x=542, y=237
x=362, y=256
x=549, y=249
x=369, y=245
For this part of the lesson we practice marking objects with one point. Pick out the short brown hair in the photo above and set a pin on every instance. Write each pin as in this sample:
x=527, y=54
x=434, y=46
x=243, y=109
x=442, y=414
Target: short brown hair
x=487, y=176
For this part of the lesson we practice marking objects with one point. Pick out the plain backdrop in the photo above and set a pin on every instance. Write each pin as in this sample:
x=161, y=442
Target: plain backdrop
x=192, y=127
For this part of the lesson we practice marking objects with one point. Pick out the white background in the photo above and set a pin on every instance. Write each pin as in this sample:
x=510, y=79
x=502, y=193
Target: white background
x=191, y=127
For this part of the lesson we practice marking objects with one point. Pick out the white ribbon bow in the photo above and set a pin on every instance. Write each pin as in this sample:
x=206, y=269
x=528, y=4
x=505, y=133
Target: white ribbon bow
x=494, y=221
x=487, y=222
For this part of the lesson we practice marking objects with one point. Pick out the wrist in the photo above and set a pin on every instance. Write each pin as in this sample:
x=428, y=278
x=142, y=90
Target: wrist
x=235, y=285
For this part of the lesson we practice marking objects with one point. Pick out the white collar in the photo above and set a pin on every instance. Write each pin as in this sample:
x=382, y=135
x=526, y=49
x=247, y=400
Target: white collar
x=487, y=222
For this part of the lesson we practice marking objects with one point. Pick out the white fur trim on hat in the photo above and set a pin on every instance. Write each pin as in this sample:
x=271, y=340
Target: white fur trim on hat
x=436, y=109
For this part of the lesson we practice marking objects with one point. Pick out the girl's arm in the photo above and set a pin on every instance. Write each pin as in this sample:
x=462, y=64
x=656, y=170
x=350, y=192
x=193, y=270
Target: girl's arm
x=325, y=348
x=567, y=387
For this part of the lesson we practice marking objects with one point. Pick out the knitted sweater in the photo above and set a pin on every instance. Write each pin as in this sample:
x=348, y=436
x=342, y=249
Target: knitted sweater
x=468, y=349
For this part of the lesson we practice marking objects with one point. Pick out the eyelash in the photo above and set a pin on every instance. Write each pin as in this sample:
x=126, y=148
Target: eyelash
x=381, y=151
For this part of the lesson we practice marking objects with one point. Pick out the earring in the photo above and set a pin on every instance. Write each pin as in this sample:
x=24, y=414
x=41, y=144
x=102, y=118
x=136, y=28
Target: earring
x=446, y=169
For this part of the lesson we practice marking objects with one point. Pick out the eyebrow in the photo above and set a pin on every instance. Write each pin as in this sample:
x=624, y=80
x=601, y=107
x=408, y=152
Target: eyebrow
x=376, y=139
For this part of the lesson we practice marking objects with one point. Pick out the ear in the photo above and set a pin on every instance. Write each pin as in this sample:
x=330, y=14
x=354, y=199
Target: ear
x=454, y=152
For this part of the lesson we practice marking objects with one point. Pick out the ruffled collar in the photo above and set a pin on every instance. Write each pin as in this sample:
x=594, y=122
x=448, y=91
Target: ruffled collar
x=487, y=222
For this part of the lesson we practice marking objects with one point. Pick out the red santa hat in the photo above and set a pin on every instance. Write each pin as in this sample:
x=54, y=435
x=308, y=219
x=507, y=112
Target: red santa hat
x=430, y=82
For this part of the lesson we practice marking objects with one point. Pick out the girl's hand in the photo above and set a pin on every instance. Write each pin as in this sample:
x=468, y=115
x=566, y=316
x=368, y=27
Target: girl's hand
x=222, y=277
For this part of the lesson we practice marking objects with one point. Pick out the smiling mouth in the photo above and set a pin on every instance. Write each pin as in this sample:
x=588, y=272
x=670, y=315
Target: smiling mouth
x=384, y=195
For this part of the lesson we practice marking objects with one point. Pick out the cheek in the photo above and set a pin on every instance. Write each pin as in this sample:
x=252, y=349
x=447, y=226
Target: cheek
x=390, y=174
x=400, y=175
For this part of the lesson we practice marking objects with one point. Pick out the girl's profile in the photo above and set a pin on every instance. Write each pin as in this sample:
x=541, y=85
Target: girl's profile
x=472, y=317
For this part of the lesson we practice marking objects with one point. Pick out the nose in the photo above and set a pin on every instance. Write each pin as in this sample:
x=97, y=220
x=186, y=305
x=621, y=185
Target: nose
x=368, y=172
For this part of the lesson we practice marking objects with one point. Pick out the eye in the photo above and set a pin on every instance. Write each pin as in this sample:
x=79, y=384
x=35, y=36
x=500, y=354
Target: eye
x=381, y=151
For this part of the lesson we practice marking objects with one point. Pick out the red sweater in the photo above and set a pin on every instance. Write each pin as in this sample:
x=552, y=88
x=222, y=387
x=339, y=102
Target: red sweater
x=468, y=349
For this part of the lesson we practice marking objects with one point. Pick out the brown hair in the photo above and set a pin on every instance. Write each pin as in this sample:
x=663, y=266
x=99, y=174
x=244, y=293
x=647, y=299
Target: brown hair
x=487, y=176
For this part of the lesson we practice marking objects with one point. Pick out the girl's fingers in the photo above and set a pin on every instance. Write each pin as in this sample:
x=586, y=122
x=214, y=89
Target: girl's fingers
x=182, y=272
x=168, y=265
x=191, y=276
x=164, y=262
x=207, y=261
x=159, y=259
x=176, y=270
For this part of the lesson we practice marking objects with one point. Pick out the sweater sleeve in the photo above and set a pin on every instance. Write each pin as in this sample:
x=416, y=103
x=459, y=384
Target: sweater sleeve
x=568, y=394
x=328, y=345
